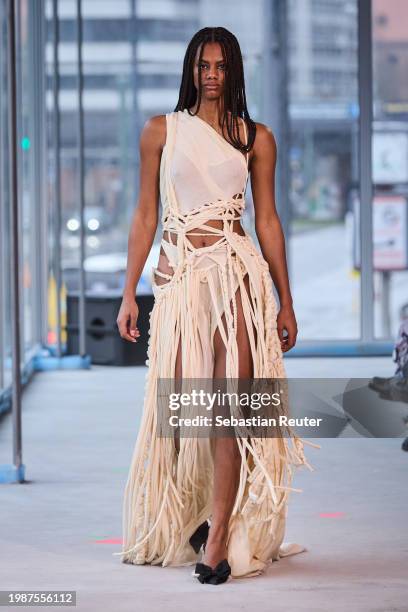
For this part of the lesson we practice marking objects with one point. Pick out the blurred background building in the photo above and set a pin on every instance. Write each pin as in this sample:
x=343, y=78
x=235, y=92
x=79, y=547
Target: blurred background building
x=304, y=61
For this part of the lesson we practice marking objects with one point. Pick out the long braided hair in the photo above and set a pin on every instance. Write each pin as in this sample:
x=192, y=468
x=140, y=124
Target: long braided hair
x=234, y=85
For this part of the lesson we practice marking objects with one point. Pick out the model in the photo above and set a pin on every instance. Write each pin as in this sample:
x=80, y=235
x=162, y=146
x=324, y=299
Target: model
x=214, y=317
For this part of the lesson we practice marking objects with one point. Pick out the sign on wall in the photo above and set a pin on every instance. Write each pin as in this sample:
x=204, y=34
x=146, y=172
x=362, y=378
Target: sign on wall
x=390, y=158
x=390, y=232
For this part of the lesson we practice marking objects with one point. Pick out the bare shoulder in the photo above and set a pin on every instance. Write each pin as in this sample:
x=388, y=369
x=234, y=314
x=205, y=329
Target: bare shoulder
x=154, y=132
x=264, y=148
x=265, y=138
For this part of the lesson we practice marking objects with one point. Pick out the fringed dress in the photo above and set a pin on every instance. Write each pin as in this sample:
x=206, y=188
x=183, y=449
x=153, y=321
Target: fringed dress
x=168, y=494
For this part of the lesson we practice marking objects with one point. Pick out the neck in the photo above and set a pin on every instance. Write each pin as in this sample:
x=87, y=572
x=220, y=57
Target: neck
x=210, y=110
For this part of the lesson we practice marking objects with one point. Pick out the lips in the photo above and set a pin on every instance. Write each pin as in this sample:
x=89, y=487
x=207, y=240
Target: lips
x=211, y=86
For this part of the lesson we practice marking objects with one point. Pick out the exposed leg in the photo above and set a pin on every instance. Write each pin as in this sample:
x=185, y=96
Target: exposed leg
x=227, y=458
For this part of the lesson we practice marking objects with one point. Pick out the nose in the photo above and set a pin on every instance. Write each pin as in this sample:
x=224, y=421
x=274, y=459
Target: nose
x=212, y=73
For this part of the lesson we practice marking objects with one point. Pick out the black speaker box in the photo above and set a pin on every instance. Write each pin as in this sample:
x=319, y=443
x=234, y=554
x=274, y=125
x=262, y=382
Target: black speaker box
x=103, y=342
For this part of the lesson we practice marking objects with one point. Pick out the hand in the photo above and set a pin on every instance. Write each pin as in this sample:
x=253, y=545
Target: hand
x=126, y=320
x=286, y=320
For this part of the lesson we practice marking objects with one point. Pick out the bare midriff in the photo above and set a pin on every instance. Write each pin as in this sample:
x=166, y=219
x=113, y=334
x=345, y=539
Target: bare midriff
x=207, y=240
x=210, y=238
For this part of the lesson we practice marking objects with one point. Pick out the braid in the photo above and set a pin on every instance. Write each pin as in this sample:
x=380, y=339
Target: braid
x=234, y=88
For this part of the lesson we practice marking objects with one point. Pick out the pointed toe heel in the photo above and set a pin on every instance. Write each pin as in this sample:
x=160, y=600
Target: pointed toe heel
x=207, y=575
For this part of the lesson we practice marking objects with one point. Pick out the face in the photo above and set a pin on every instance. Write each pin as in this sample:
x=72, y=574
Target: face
x=212, y=68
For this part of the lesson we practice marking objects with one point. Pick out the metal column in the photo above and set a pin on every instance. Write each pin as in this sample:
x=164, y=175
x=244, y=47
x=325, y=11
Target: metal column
x=275, y=100
x=18, y=466
x=81, y=184
x=57, y=172
x=281, y=35
x=365, y=95
x=37, y=129
x=275, y=103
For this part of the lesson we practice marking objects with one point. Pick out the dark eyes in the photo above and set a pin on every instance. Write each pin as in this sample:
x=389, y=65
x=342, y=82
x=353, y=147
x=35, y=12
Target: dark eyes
x=222, y=66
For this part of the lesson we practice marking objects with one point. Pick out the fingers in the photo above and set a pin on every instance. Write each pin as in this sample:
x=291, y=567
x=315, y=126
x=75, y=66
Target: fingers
x=133, y=330
x=279, y=329
x=126, y=323
x=123, y=330
x=288, y=341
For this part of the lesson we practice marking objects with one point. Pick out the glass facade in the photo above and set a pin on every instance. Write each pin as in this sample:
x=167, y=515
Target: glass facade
x=29, y=204
x=323, y=158
x=132, y=62
x=132, y=56
x=390, y=164
x=5, y=307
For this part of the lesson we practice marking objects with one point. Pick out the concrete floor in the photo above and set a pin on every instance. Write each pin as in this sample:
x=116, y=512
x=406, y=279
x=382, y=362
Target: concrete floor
x=59, y=530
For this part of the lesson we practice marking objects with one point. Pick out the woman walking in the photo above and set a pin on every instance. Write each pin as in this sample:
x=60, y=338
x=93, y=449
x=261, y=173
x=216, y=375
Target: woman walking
x=214, y=317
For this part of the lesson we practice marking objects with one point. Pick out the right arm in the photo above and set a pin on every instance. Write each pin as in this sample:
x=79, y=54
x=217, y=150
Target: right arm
x=144, y=222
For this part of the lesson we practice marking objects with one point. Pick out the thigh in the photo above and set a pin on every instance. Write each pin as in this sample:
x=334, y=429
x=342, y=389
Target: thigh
x=245, y=361
x=226, y=440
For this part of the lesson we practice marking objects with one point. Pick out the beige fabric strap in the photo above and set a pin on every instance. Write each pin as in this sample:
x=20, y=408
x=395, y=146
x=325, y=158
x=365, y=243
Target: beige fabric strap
x=168, y=495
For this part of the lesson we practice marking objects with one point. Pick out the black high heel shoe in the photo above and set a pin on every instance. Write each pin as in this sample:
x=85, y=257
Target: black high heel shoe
x=200, y=536
x=207, y=575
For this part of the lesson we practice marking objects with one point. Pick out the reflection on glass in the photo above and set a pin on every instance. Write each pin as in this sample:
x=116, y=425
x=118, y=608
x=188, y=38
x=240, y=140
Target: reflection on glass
x=26, y=184
x=5, y=305
x=132, y=65
x=323, y=173
x=390, y=165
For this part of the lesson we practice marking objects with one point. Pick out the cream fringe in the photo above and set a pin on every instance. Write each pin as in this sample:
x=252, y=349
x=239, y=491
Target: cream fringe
x=168, y=495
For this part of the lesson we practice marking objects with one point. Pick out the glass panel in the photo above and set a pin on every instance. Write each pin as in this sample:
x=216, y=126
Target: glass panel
x=390, y=165
x=111, y=117
x=27, y=191
x=68, y=242
x=5, y=307
x=28, y=215
x=132, y=64
x=323, y=113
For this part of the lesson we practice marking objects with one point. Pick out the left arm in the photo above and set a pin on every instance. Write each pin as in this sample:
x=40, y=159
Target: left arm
x=269, y=231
